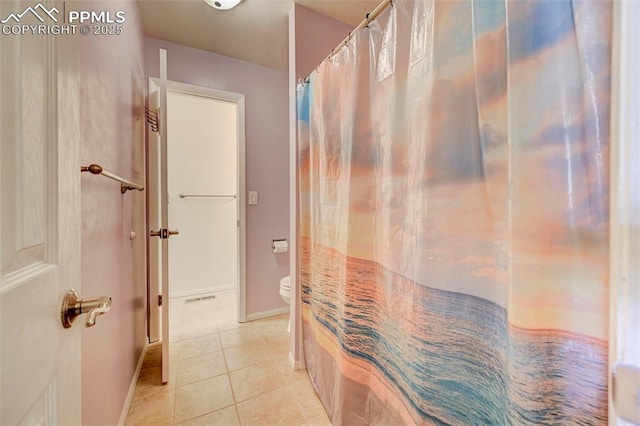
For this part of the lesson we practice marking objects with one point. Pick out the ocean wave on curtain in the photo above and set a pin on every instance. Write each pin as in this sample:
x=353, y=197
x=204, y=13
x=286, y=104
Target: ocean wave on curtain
x=453, y=163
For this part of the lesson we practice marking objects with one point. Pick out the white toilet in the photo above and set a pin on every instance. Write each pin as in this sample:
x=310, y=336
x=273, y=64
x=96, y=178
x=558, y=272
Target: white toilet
x=285, y=288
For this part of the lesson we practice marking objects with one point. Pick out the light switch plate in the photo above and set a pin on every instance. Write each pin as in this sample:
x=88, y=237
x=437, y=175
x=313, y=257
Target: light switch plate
x=253, y=197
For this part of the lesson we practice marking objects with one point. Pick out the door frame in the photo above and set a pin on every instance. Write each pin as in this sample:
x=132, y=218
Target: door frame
x=239, y=100
x=624, y=283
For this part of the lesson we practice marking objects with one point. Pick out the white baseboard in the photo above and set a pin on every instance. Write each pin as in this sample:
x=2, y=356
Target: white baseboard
x=132, y=388
x=267, y=314
x=295, y=365
x=187, y=293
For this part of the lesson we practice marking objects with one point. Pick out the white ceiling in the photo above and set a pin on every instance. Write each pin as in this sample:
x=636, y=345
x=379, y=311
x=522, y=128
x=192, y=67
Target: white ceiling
x=255, y=30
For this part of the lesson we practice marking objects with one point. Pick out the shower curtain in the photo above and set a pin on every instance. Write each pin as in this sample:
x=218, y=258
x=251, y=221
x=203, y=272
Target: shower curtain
x=453, y=207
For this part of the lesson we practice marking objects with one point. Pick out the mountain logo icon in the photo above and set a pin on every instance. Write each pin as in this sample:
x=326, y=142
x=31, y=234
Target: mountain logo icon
x=39, y=11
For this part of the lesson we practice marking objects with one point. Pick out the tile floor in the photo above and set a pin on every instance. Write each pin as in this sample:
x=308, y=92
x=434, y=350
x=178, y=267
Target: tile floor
x=223, y=372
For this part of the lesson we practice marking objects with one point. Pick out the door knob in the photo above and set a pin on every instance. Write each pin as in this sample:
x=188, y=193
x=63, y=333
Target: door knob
x=73, y=306
x=163, y=233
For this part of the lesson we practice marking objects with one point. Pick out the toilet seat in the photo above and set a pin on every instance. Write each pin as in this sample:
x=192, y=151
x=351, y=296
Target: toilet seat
x=285, y=286
x=286, y=282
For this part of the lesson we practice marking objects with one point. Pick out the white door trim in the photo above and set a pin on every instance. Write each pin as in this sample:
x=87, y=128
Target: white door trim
x=624, y=278
x=239, y=100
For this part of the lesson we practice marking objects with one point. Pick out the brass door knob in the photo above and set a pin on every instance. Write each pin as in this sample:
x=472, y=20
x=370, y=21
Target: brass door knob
x=163, y=233
x=73, y=306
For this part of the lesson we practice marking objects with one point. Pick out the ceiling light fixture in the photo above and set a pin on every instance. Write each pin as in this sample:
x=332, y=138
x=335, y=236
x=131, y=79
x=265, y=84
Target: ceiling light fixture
x=223, y=4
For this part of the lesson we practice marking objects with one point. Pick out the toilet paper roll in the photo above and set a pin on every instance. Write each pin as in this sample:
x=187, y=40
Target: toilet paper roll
x=280, y=246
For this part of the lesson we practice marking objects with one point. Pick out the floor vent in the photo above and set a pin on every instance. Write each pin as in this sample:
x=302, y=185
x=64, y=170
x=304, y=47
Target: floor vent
x=198, y=299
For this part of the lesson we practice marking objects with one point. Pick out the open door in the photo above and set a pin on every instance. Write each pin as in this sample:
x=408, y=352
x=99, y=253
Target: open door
x=624, y=336
x=158, y=239
x=40, y=360
x=154, y=220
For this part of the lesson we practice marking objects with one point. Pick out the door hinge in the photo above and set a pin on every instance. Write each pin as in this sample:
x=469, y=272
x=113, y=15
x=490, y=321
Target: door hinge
x=152, y=119
x=159, y=300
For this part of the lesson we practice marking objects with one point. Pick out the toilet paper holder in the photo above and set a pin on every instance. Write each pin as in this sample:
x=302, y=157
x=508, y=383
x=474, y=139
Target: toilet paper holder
x=279, y=246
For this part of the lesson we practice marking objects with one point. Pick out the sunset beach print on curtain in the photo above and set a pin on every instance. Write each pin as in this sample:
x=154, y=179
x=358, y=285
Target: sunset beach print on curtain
x=453, y=163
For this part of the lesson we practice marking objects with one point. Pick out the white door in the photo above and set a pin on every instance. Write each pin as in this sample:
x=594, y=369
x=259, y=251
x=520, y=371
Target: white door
x=624, y=339
x=159, y=234
x=203, y=201
x=154, y=213
x=40, y=227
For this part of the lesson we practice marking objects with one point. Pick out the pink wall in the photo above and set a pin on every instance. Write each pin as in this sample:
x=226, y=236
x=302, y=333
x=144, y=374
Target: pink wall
x=267, y=153
x=111, y=120
x=306, y=49
x=310, y=48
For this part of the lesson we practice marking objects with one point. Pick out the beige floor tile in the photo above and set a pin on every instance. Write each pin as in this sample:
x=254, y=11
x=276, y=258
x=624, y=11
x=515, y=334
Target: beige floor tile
x=173, y=350
x=231, y=325
x=240, y=336
x=277, y=339
x=225, y=417
x=202, y=397
x=196, y=346
x=150, y=376
x=149, y=380
x=199, y=329
x=273, y=408
x=306, y=399
x=278, y=347
x=153, y=356
x=319, y=421
x=222, y=316
x=250, y=382
x=200, y=393
x=246, y=355
x=199, y=368
x=156, y=409
x=274, y=325
x=290, y=375
x=173, y=369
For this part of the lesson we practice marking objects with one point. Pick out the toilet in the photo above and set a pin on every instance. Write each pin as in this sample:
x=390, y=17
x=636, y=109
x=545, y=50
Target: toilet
x=285, y=288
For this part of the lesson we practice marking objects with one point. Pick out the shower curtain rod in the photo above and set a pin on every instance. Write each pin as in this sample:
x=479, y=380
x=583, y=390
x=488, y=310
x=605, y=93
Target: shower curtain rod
x=370, y=17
